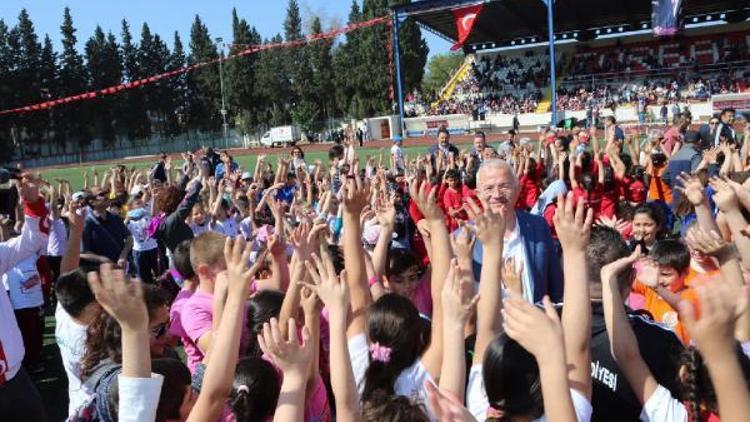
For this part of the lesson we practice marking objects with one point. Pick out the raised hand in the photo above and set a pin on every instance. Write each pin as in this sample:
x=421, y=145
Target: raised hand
x=615, y=268
x=691, y=187
x=711, y=244
x=356, y=194
x=76, y=216
x=572, y=223
x=539, y=332
x=385, y=211
x=288, y=354
x=425, y=200
x=712, y=327
x=648, y=273
x=512, y=278
x=459, y=299
x=446, y=406
x=463, y=247
x=121, y=298
x=276, y=245
x=489, y=226
x=332, y=290
x=237, y=255
x=725, y=197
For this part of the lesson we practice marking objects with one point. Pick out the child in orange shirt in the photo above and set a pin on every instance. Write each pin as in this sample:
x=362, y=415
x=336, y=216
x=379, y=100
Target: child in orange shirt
x=661, y=280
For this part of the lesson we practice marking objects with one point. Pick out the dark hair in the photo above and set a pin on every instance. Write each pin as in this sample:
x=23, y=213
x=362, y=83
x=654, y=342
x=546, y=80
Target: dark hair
x=181, y=257
x=606, y=245
x=480, y=134
x=336, y=151
x=301, y=153
x=611, y=119
x=696, y=387
x=393, y=321
x=265, y=305
x=727, y=110
x=671, y=253
x=257, y=400
x=444, y=130
x=73, y=292
x=452, y=174
x=511, y=379
x=103, y=335
x=393, y=408
x=400, y=260
x=176, y=382
x=337, y=256
x=169, y=198
x=653, y=213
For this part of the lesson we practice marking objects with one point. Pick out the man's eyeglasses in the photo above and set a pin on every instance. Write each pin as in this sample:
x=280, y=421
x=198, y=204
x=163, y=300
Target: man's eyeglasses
x=713, y=123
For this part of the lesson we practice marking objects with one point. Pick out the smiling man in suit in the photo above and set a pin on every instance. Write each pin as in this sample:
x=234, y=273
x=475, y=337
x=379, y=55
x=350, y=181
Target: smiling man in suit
x=527, y=237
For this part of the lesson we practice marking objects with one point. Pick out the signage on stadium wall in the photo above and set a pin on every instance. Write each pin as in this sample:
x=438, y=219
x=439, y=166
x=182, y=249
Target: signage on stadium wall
x=457, y=124
x=739, y=102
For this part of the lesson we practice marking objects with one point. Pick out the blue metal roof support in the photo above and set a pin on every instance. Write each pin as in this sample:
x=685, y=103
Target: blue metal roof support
x=551, y=32
x=428, y=5
x=397, y=60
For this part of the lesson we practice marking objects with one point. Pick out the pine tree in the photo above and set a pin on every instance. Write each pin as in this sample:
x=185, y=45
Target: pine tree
x=302, y=104
x=73, y=117
x=104, y=69
x=345, y=60
x=239, y=75
x=321, y=61
x=133, y=110
x=30, y=128
x=414, y=52
x=49, y=90
x=178, y=86
x=6, y=92
x=273, y=86
x=204, y=85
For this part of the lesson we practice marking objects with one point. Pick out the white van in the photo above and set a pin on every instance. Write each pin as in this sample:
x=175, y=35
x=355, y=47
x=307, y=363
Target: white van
x=281, y=136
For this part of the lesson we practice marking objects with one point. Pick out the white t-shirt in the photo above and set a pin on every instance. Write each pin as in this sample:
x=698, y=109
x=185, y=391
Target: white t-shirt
x=139, y=397
x=198, y=229
x=662, y=407
x=514, y=247
x=410, y=382
x=228, y=227
x=141, y=240
x=70, y=337
x=246, y=227
x=58, y=238
x=478, y=404
x=398, y=155
x=24, y=284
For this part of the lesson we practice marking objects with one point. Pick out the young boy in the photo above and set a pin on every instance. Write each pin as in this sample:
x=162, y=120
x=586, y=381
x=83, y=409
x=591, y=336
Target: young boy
x=189, y=284
x=196, y=316
x=661, y=280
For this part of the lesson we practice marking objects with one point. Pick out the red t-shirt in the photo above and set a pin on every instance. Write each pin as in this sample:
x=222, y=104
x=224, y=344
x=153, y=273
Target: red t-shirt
x=549, y=215
x=634, y=190
x=591, y=199
x=610, y=198
x=529, y=192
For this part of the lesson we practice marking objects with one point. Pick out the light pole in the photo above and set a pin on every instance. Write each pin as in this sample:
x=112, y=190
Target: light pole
x=219, y=42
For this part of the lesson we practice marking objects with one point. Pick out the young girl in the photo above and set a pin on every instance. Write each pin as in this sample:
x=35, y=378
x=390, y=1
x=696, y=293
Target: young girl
x=198, y=221
x=648, y=226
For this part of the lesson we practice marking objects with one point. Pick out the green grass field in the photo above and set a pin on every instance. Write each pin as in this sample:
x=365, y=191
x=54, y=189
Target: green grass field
x=75, y=174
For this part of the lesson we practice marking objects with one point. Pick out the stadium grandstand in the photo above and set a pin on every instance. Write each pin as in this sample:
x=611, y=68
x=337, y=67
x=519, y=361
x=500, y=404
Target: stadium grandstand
x=607, y=61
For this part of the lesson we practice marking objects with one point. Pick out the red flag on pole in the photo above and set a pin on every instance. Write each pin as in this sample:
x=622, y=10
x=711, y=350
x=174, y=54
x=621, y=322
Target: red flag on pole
x=465, y=18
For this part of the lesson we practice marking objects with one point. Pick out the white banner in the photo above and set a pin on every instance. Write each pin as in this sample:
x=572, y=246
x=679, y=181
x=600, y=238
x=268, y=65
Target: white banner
x=457, y=124
x=739, y=102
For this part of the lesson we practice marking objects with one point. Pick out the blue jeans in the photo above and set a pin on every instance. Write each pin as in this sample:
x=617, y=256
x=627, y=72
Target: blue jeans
x=147, y=264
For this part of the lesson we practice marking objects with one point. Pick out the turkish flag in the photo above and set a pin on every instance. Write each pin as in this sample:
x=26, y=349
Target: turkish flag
x=465, y=18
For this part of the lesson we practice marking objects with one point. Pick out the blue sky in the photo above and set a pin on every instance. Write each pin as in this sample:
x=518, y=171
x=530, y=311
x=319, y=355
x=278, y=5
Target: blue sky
x=165, y=17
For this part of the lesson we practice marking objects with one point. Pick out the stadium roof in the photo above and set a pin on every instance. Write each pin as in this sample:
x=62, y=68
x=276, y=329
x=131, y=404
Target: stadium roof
x=503, y=21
